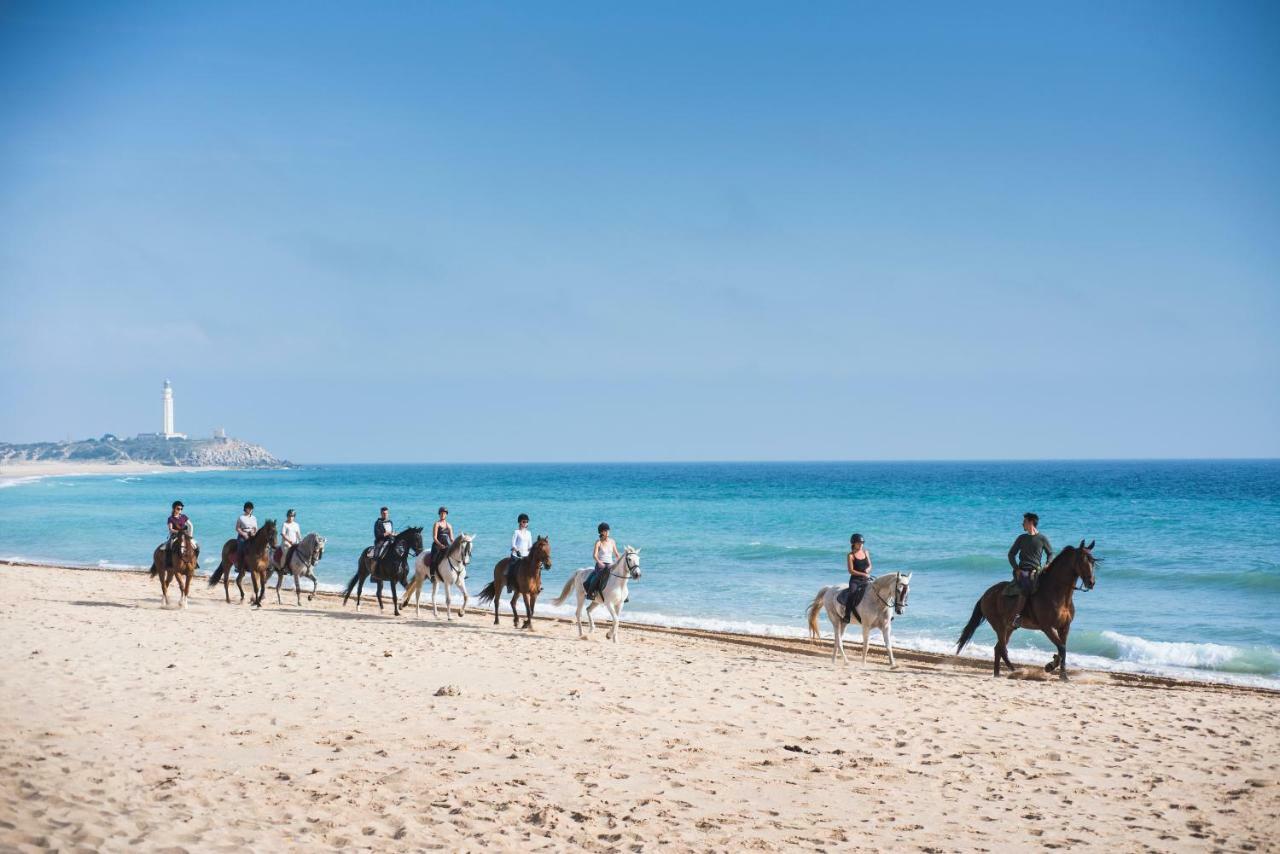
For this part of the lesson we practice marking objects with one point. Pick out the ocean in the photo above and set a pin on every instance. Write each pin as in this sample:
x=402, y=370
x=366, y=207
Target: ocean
x=1189, y=584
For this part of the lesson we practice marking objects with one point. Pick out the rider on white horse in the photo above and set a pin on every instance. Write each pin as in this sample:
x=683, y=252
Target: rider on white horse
x=290, y=536
x=858, y=562
x=605, y=554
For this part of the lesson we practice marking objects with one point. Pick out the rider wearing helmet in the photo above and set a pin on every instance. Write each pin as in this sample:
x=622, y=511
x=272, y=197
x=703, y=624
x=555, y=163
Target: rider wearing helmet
x=521, y=540
x=858, y=563
x=1028, y=548
x=441, y=537
x=605, y=554
x=178, y=522
x=246, y=527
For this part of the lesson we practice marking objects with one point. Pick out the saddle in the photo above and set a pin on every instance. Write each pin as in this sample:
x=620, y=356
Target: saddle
x=510, y=581
x=282, y=559
x=594, y=585
x=1013, y=589
x=842, y=598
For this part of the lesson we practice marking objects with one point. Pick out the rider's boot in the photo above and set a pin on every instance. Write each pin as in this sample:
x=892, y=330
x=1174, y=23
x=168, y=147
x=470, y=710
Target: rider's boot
x=1017, y=612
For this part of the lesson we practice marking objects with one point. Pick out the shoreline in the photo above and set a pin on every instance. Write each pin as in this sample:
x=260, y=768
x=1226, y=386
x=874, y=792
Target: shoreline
x=329, y=729
x=27, y=471
x=791, y=646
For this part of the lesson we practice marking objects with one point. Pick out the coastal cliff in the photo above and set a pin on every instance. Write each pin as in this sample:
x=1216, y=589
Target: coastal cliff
x=225, y=453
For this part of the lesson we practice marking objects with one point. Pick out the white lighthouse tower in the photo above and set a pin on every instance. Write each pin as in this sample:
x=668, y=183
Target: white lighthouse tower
x=168, y=432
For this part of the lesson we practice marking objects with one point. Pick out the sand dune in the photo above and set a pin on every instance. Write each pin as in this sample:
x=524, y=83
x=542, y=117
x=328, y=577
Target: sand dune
x=219, y=728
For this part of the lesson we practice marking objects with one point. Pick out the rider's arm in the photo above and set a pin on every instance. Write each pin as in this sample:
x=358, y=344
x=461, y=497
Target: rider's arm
x=1048, y=550
x=515, y=543
x=1013, y=551
x=595, y=552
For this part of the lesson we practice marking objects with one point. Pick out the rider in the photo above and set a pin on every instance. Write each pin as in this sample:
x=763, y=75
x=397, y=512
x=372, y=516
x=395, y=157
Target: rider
x=1028, y=548
x=521, y=540
x=605, y=554
x=441, y=537
x=858, y=562
x=177, y=524
x=383, y=530
x=290, y=536
x=246, y=527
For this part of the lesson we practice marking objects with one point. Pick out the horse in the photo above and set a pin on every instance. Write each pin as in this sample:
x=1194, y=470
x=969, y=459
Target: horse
x=885, y=598
x=186, y=559
x=300, y=562
x=524, y=578
x=1050, y=609
x=451, y=571
x=613, y=595
x=257, y=557
x=392, y=566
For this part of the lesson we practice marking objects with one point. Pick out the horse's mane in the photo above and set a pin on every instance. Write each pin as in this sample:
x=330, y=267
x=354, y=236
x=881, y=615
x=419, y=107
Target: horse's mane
x=270, y=524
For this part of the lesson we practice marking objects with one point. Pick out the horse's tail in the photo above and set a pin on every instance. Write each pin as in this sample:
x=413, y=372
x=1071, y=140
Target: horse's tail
x=568, y=587
x=351, y=585
x=974, y=622
x=815, y=607
x=218, y=573
x=155, y=568
x=487, y=594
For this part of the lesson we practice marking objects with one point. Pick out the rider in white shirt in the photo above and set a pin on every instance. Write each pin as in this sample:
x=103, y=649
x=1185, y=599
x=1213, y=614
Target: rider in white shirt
x=290, y=535
x=246, y=527
x=521, y=540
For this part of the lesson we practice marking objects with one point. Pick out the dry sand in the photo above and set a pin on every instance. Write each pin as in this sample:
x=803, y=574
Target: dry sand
x=220, y=728
x=74, y=468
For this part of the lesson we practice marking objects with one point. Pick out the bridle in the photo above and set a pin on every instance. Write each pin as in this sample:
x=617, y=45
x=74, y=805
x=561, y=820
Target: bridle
x=898, y=605
x=626, y=559
x=465, y=548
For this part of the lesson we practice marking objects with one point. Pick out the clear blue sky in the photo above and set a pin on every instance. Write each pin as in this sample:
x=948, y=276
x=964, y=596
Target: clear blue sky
x=537, y=231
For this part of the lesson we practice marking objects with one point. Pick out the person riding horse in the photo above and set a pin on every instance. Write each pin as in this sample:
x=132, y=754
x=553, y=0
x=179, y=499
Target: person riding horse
x=858, y=563
x=1024, y=557
x=441, y=538
x=246, y=527
x=290, y=536
x=383, y=532
x=178, y=522
x=521, y=540
x=605, y=554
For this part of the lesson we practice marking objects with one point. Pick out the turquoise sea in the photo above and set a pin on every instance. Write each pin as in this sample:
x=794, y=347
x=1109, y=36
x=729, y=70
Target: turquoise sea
x=1189, y=585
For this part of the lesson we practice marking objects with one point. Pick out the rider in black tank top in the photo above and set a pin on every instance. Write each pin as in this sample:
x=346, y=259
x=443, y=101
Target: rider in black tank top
x=859, y=573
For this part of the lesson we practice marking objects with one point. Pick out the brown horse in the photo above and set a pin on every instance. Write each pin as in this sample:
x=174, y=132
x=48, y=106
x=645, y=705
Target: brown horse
x=1050, y=610
x=523, y=576
x=186, y=557
x=257, y=562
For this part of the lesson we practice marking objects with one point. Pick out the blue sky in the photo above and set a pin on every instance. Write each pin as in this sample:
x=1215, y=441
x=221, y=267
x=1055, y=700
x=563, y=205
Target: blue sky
x=421, y=232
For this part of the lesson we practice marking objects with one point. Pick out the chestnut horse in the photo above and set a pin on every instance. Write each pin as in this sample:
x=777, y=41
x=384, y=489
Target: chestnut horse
x=524, y=577
x=186, y=558
x=1050, y=610
x=257, y=562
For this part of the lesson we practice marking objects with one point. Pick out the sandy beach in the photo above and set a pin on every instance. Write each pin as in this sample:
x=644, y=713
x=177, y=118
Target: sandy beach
x=74, y=468
x=218, y=728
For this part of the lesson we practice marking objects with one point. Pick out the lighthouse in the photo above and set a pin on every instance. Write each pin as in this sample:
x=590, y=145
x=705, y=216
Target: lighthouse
x=167, y=398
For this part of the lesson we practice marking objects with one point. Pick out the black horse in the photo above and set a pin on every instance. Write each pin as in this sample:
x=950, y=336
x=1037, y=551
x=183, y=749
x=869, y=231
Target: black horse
x=392, y=566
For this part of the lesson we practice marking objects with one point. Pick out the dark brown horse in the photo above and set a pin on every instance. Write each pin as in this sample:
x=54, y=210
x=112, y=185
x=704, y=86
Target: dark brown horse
x=392, y=566
x=186, y=557
x=1050, y=610
x=257, y=562
x=522, y=576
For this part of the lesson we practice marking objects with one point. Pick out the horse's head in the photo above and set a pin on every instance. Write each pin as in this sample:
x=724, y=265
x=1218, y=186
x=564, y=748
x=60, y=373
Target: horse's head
x=464, y=548
x=901, y=588
x=631, y=562
x=412, y=538
x=317, y=547
x=269, y=531
x=1085, y=565
x=541, y=552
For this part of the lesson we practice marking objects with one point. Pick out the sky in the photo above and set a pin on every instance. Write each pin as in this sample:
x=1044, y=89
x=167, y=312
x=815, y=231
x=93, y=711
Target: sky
x=395, y=232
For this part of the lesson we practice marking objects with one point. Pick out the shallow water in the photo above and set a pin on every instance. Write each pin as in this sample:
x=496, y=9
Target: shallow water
x=1189, y=584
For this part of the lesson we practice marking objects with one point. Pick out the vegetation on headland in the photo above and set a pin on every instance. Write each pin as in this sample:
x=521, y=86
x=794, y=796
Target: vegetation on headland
x=221, y=452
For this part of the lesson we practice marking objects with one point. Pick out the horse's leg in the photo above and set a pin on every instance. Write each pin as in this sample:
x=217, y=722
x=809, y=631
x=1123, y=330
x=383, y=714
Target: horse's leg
x=226, y=582
x=435, y=614
x=279, y=581
x=297, y=586
x=186, y=587
x=314, y=585
x=164, y=586
x=360, y=589
x=866, y=640
x=1059, y=640
x=529, y=599
x=591, y=620
x=578, y=613
x=379, y=593
x=395, y=598
x=515, y=617
x=614, y=613
x=888, y=643
x=462, y=585
x=240, y=584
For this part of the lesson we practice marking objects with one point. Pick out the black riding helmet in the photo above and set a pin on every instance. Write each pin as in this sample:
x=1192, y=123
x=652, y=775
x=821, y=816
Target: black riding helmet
x=856, y=540
x=602, y=527
x=523, y=517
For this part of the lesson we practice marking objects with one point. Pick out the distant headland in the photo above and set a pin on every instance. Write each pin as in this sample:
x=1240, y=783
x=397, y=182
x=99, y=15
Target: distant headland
x=166, y=448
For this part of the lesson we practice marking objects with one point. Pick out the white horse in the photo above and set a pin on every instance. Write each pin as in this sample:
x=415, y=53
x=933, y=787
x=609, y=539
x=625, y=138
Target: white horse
x=452, y=572
x=614, y=594
x=301, y=564
x=884, y=598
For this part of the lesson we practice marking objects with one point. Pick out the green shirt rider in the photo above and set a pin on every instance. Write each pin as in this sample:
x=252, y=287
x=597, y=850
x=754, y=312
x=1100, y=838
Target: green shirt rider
x=1024, y=557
